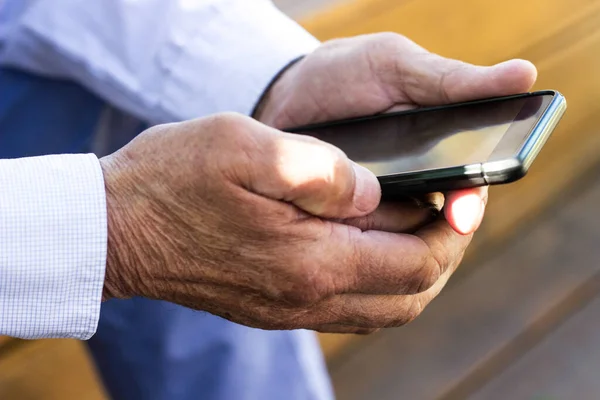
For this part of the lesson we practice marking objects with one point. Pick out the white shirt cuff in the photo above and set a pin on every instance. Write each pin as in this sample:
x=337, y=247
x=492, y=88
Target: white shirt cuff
x=53, y=238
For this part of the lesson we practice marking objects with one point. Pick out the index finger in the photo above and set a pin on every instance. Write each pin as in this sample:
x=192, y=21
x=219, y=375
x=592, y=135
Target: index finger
x=360, y=310
x=464, y=209
x=375, y=262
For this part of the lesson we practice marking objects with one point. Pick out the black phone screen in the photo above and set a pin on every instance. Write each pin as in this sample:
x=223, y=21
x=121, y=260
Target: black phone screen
x=436, y=138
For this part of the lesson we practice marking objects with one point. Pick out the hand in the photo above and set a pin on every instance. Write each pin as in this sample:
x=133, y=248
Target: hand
x=376, y=73
x=226, y=215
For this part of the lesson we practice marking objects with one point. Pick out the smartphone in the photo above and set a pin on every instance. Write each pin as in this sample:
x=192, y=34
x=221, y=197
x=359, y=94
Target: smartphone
x=456, y=146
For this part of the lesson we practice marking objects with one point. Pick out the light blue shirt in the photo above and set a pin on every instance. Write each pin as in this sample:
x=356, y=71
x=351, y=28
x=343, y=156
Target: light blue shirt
x=158, y=61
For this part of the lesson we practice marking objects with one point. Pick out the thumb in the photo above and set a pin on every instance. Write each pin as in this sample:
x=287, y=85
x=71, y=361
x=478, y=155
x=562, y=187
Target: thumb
x=429, y=79
x=314, y=176
x=464, y=209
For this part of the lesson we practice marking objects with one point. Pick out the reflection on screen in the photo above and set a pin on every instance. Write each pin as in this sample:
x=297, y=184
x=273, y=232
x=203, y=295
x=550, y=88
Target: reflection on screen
x=430, y=140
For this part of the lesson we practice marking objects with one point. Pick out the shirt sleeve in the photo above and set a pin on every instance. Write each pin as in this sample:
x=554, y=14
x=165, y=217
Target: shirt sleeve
x=161, y=61
x=53, y=238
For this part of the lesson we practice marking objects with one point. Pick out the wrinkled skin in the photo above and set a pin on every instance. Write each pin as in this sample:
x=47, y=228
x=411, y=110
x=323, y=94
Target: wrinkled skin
x=280, y=231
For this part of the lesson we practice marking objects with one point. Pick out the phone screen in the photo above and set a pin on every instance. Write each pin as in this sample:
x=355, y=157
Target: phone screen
x=433, y=139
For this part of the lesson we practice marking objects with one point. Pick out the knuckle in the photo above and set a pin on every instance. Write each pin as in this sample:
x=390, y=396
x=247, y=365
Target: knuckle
x=386, y=55
x=440, y=261
x=411, y=312
x=231, y=127
x=428, y=276
x=337, y=158
x=414, y=310
x=342, y=174
x=445, y=86
x=387, y=39
x=238, y=140
x=223, y=120
x=227, y=118
x=380, y=47
x=450, y=249
x=390, y=43
x=366, y=223
x=429, y=271
x=370, y=222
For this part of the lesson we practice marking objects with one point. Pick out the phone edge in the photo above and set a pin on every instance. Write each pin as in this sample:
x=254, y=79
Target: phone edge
x=488, y=173
x=515, y=168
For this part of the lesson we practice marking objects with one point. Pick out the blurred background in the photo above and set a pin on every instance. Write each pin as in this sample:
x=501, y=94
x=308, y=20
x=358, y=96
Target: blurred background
x=521, y=319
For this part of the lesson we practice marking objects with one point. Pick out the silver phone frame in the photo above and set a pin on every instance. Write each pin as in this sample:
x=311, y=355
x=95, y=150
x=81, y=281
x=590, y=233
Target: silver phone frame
x=535, y=140
x=490, y=172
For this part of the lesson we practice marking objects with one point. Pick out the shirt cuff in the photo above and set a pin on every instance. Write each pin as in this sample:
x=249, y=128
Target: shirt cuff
x=236, y=58
x=53, y=238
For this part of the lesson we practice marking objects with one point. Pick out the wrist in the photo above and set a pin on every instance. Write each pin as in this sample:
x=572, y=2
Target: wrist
x=268, y=106
x=117, y=280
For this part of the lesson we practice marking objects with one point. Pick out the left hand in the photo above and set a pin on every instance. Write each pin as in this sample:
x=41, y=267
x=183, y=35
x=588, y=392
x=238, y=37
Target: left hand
x=370, y=74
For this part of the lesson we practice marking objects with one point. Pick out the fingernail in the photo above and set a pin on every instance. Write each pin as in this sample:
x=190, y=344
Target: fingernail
x=367, y=191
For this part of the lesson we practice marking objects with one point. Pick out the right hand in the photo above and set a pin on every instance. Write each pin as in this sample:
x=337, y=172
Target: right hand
x=226, y=215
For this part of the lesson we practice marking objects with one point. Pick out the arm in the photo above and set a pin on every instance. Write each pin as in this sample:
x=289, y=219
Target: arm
x=53, y=233
x=161, y=61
